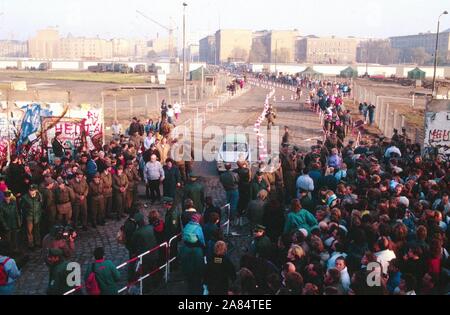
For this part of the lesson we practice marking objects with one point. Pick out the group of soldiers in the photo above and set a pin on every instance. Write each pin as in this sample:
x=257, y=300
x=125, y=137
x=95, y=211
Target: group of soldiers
x=90, y=188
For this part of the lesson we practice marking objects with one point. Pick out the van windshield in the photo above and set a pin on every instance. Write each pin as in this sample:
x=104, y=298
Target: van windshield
x=234, y=147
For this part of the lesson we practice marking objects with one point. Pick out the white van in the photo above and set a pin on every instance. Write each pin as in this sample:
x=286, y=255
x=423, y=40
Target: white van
x=234, y=148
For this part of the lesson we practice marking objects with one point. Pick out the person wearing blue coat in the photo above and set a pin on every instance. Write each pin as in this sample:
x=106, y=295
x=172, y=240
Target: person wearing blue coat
x=192, y=255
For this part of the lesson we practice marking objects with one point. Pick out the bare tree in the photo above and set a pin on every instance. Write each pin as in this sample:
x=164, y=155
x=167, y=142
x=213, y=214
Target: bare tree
x=239, y=54
x=259, y=52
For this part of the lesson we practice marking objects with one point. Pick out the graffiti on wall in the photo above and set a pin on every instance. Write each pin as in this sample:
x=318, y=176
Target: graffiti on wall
x=84, y=127
x=437, y=134
x=32, y=127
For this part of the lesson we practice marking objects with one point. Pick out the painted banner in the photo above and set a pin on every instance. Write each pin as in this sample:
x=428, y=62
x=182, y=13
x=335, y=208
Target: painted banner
x=437, y=133
x=28, y=120
x=78, y=127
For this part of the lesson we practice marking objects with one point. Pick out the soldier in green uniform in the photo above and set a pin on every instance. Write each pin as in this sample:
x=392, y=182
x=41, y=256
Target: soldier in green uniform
x=64, y=196
x=172, y=225
x=133, y=179
x=195, y=191
x=143, y=240
x=257, y=185
x=49, y=200
x=79, y=205
x=106, y=178
x=120, y=186
x=97, y=201
x=10, y=221
x=261, y=245
x=31, y=207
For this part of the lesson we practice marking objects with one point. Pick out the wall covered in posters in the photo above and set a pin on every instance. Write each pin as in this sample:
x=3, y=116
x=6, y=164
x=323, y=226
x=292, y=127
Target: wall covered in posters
x=437, y=133
x=77, y=127
x=32, y=126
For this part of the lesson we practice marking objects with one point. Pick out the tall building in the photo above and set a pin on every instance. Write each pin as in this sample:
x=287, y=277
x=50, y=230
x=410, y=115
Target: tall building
x=327, y=50
x=45, y=44
x=426, y=41
x=122, y=47
x=233, y=45
x=281, y=45
x=13, y=48
x=193, y=53
x=160, y=46
x=141, y=49
x=207, y=49
x=85, y=48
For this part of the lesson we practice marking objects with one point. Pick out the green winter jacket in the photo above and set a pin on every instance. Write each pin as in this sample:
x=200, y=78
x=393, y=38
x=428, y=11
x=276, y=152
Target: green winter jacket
x=143, y=240
x=31, y=208
x=256, y=187
x=57, y=283
x=301, y=220
x=9, y=216
x=106, y=275
x=196, y=192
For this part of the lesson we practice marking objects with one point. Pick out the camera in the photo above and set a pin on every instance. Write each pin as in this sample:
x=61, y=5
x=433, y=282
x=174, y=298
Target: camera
x=65, y=233
x=69, y=233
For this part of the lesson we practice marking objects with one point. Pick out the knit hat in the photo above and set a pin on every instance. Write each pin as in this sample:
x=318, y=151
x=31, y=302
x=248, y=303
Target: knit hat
x=331, y=199
x=404, y=201
x=196, y=218
x=304, y=232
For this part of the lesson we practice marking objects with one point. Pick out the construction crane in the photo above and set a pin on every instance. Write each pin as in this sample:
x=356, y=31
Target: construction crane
x=169, y=29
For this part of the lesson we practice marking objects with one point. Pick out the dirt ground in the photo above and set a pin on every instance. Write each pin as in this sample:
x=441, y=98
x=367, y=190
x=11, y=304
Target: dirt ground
x=414, y=116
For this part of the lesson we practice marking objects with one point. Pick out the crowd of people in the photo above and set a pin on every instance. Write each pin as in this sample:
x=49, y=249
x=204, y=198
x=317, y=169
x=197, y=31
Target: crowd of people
x=365, y=219
x=322, y=222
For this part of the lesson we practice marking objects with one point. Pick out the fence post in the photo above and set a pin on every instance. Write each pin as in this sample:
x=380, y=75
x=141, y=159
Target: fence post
x=386, y=122
x=169, y=91
x=382, y=121
x=131, y=106
x=179, y=94
x=167, y=262
x=146, y=106
x=141, y=284
x=115, y=107
x=394, y=124
x=157, y=102
x=403, y=122
x=195, y=92
x=188, y=94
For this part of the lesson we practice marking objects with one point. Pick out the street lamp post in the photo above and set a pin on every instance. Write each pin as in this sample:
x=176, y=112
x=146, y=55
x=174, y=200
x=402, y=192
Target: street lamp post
x=184, y=48
x=436, y=52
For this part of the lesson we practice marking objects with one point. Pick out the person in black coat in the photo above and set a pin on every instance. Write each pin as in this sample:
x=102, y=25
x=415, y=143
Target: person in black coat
x=15, y=176
x=220, y=271
x=244, y=186
x=274, y=219
x=57, y=146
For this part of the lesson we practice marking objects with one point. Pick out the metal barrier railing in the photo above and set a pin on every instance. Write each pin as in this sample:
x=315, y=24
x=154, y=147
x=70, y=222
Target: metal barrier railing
x=169, y=260
x=140, y=265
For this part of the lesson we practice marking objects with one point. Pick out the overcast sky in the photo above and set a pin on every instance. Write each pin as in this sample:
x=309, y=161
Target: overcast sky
x=118, y=18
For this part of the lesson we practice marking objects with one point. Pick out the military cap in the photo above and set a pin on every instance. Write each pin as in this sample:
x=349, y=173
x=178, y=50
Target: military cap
x=167, y=200
x=139, y=217
x=34, y=187
x=259, y=227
